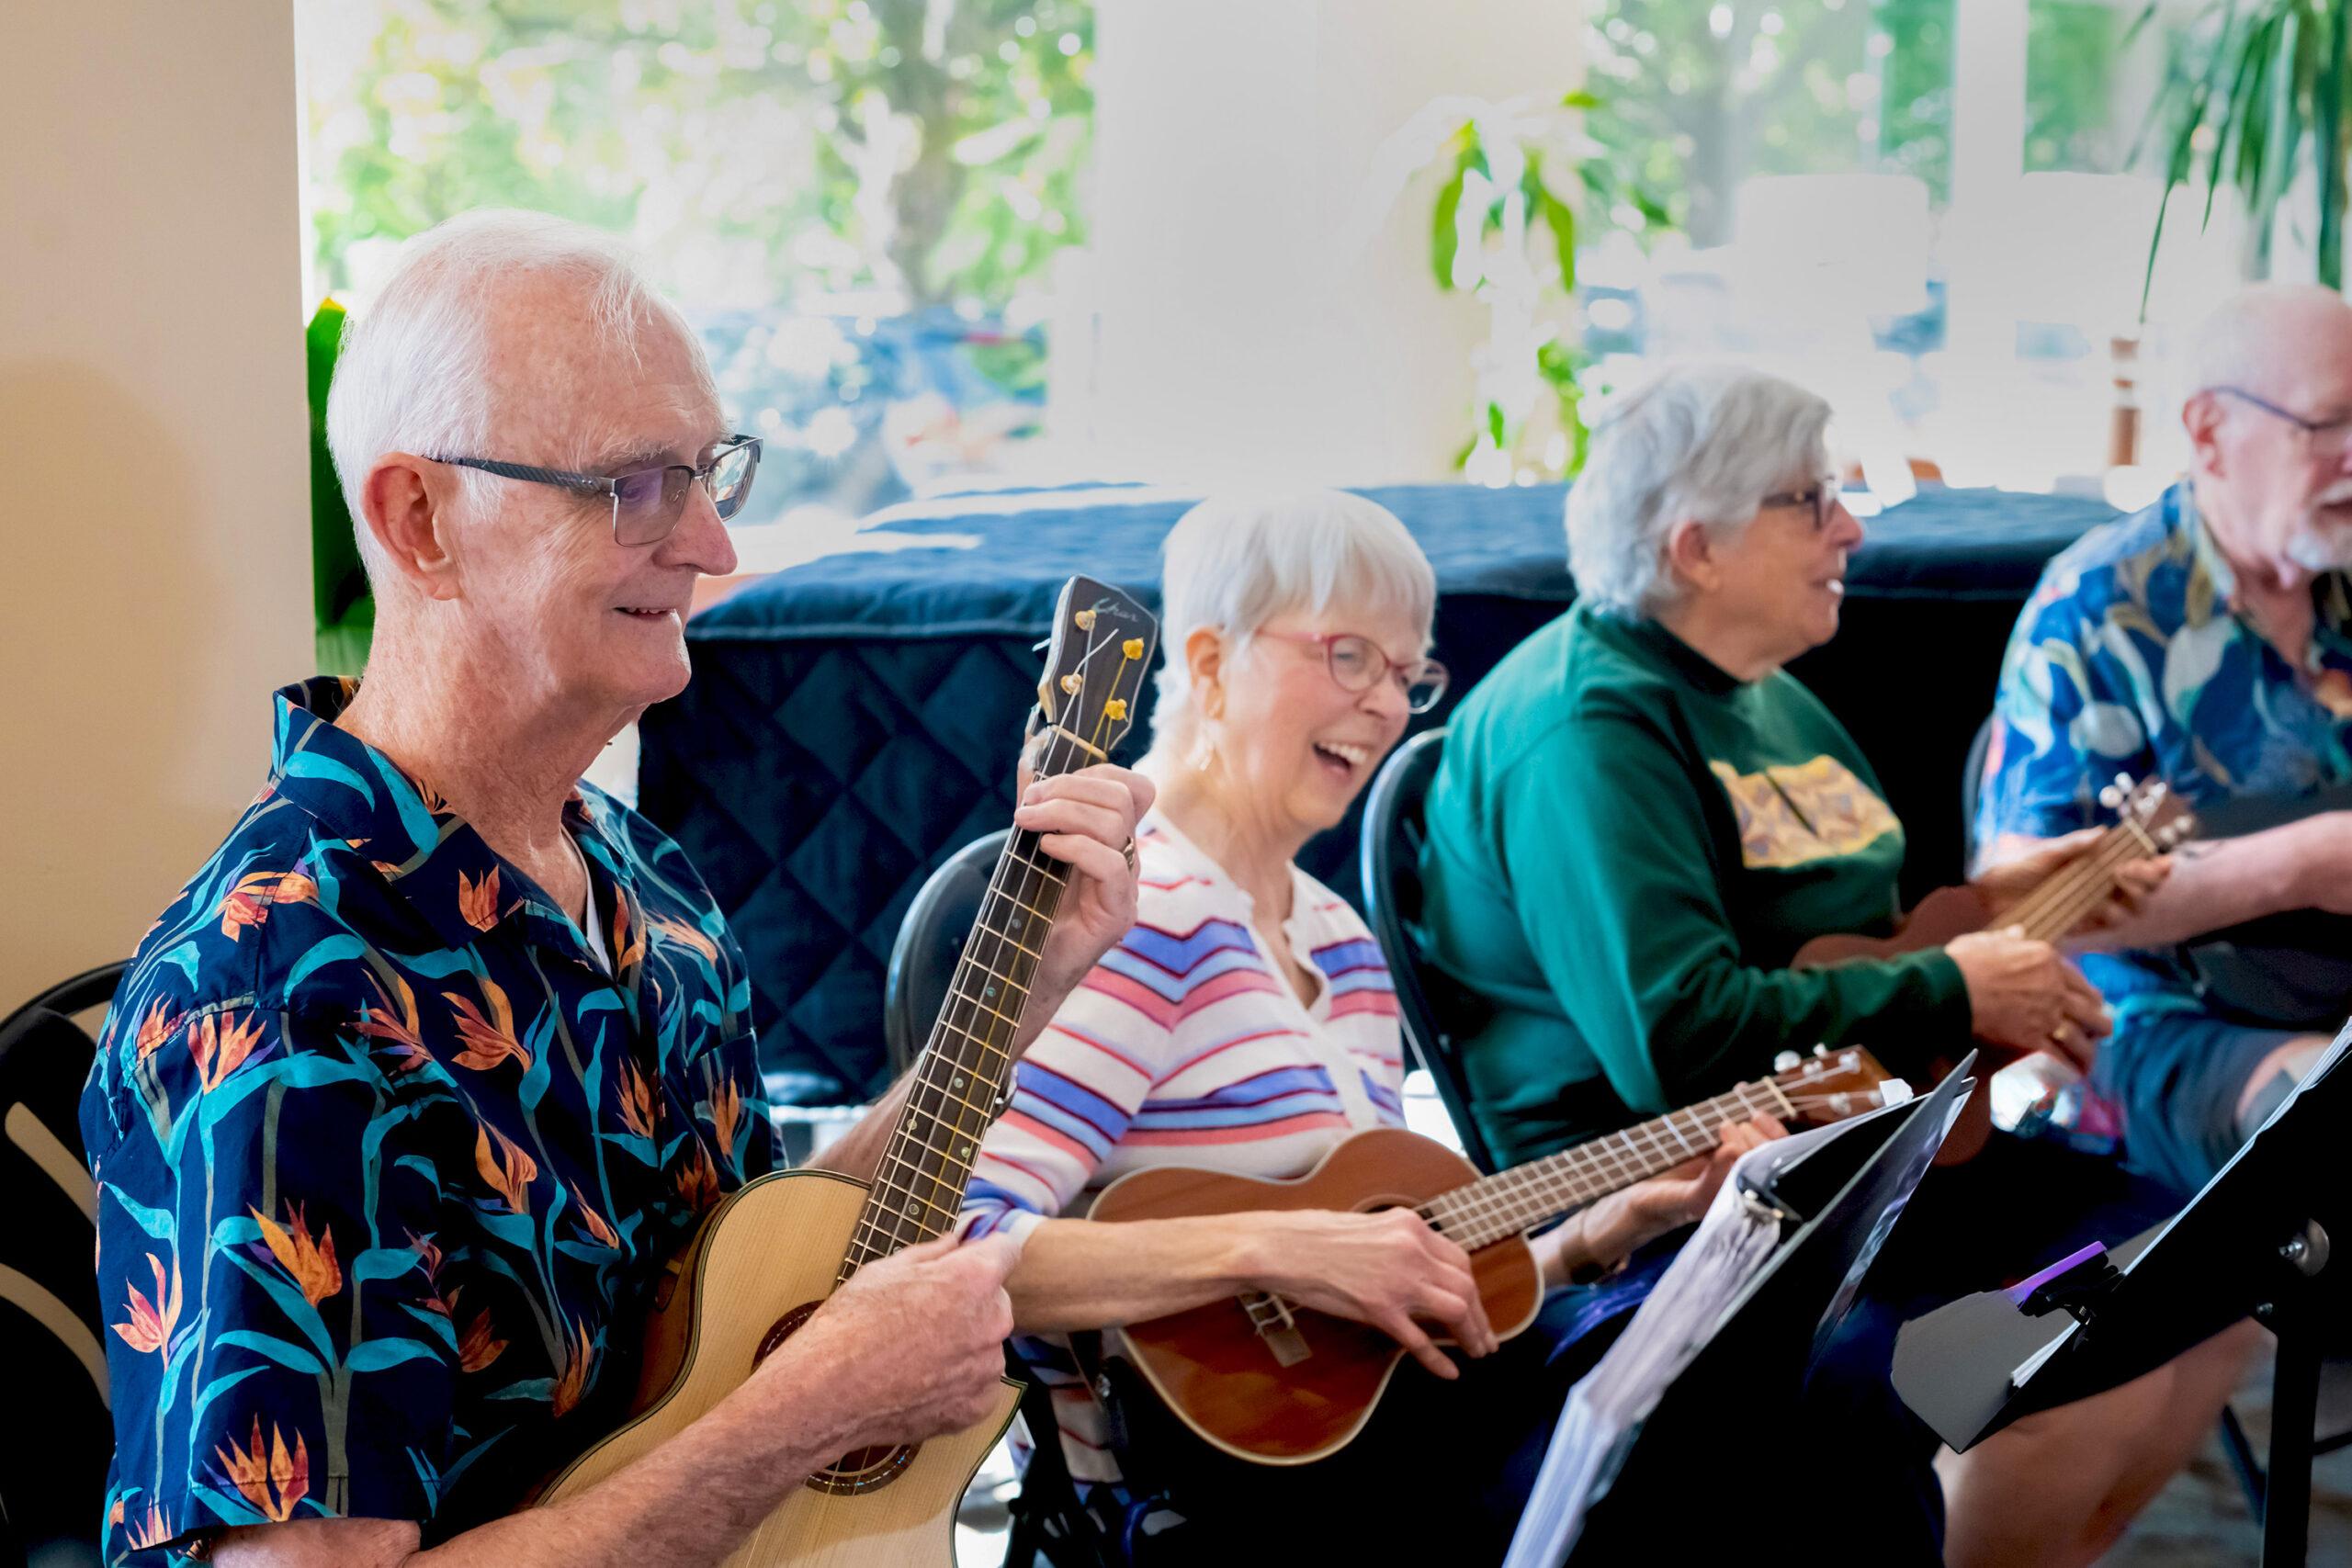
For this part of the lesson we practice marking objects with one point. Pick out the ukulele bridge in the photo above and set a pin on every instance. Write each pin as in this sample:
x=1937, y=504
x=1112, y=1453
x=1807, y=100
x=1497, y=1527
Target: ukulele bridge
x=1270, y=1317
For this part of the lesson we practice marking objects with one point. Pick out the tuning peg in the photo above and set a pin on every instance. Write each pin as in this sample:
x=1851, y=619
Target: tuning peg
x=1821, y=1049
x=1085, y=619
x=2111, y=796
x=1786, y=1061
x=1115, y=708
x=1071, y=684
x=1132, y=648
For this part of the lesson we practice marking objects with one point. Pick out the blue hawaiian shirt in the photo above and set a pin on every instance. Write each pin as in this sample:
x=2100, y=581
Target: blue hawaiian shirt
x=388, y=1162
x=2130, y=658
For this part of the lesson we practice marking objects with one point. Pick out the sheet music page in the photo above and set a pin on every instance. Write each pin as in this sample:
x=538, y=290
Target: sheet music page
x=1604, y=1409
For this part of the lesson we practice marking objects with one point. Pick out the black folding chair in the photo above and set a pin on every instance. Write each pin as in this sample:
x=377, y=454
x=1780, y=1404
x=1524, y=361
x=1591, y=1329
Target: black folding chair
x=930, y=939
x=1972, y=789
x=53, y=1330
x=1431, y=1004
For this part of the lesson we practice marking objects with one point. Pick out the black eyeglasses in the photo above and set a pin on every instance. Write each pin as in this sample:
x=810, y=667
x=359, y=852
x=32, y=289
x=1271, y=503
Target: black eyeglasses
x=647, y=503
x=2329, y=437
x=1820, y=500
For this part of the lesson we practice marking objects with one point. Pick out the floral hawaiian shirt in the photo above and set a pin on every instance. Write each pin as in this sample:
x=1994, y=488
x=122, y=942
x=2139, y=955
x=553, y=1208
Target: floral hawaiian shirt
x=2130, y=658
x=388, y=1160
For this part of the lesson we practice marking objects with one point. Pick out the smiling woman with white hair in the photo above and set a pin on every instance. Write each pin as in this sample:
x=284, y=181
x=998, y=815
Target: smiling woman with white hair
x=1248, y=1022
x=1641, y=817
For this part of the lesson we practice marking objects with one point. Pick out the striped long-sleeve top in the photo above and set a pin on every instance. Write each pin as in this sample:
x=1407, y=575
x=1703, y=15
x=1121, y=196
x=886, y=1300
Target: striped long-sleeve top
x=1185, y=1046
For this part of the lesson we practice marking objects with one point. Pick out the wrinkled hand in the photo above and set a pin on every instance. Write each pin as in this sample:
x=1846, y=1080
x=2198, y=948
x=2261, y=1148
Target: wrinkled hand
x=1385, y=1270
x=1087, y=821
x=2135, y=881
x=2023, y=997
x=913, y=1346
x=1633, y=1215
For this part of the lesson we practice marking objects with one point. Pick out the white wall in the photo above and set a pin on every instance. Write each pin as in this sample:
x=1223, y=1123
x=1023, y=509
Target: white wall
x=1241, y=337
x=155, y=505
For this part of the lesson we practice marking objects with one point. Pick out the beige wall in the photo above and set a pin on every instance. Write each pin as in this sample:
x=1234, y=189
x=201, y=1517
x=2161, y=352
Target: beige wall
x=154, y=505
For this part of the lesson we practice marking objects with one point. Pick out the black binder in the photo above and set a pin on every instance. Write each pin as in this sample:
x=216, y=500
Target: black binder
x=1849, y=1193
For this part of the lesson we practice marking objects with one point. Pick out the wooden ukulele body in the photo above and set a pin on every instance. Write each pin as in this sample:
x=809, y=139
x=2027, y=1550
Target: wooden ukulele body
x=762, y=1255
x=1942, y=915
x=1219, y=1370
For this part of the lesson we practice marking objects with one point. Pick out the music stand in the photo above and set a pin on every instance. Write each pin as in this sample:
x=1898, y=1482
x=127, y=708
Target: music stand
x=2255, y=1242
x=1847, y=1193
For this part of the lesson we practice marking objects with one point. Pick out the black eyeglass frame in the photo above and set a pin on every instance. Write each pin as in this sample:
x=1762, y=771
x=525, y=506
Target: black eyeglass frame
x=673, y=490
x=2337, y=429
x=1821, y=498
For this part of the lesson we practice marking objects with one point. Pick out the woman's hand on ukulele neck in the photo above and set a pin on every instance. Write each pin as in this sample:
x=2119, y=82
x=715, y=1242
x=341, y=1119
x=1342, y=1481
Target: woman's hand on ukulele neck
x=1605, y=1234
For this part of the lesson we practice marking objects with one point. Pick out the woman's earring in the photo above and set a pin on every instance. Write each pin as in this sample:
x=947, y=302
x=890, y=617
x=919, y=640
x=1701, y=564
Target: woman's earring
x=1203, y=754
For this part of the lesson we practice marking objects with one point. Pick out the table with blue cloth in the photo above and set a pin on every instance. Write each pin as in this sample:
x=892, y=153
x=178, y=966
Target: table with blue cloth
x=854, y=720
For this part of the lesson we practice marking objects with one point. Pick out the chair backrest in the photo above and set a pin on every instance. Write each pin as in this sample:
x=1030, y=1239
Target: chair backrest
x=1428, y=1000
x=1972, y=789
x=52, y=1326
x=930, y=941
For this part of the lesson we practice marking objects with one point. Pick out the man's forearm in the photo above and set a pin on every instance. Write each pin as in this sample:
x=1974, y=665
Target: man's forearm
x=689, y=1501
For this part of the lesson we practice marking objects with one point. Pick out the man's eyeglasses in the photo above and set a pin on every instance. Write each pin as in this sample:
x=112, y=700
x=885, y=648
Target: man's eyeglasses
x=1357, y=663
x=1820, y=499
x=647, y=503
x=2329, y=437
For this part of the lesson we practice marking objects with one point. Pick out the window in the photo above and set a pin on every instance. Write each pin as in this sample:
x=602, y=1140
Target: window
x=856, y=201
x=1866, y=195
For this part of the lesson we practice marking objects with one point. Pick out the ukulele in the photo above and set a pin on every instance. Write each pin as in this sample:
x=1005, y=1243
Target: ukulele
x=2150, y=819
x=765, y=1258
x=1265, y=1380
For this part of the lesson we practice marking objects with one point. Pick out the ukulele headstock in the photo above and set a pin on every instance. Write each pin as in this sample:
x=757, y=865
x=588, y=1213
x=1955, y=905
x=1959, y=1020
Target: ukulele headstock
x=1096, y=658
x=1832, y=1085
x=2151, y=807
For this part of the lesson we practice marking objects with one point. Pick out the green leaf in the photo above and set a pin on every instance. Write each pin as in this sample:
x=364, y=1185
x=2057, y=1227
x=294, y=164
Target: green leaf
x=1495, y=422
x=1562, y=222
x=1442, y=239
x=1580, y=98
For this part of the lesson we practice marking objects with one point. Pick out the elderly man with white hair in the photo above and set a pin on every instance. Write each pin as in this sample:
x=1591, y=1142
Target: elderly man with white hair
x=411, y=1092
x=2207, y=641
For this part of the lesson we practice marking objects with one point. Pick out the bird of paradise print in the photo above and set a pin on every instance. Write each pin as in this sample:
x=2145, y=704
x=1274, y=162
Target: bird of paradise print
x=273, y=1479
x=478, y=901
x=150, y=1327
x=489, y=1040
x=219, y=1044
x=311, y=1264
x=507, y=1169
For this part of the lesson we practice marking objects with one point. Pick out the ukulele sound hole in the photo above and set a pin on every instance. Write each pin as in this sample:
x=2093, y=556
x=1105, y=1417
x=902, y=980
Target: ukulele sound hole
x=866, y=1470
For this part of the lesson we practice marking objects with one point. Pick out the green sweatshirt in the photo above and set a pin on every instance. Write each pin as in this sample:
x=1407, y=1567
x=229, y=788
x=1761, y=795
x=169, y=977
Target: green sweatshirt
x=1626, y=846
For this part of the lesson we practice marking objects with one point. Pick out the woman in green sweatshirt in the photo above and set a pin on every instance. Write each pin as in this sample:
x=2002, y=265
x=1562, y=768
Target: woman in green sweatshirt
x=1639, y=819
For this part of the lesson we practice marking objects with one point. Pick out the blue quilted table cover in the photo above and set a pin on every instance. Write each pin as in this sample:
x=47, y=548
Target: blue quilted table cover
x=851, y=721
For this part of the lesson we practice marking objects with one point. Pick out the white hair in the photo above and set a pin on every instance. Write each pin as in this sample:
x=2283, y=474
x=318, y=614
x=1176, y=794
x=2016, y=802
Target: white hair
x=1701, y=443
x=1234, y=563
x=2254, y=333
x=414, y=373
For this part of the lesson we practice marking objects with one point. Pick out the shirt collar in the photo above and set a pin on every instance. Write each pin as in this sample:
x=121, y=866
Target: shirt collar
x=428, y=853
x=1649, y=636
